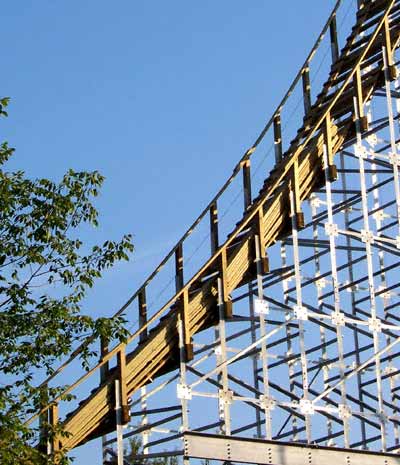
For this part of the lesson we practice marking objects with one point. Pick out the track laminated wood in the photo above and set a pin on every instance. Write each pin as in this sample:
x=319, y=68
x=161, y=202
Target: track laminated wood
x=159, y=353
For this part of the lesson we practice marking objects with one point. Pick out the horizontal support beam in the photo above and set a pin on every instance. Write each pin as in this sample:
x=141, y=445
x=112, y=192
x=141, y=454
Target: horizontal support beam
x=226, y=448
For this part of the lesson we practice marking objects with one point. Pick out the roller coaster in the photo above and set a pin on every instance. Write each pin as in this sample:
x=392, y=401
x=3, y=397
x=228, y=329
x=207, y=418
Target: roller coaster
x=268, y=334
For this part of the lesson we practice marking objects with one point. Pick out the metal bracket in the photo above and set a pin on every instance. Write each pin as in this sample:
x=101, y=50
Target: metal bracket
x=351, y=288
x=300, y=312
x=225, y=397
x=375, y=324
x=394, y=158
x=344, y=411
x=316, y=201
x=379, y=215
x=267, y=403
x=372, y=140
x=331, y=229
x=306, y=407
x=383, y=417
x=338, y=318
x=367, y=236
x=183, y=391
x=261, y=306
x=384, y=294
x=360, y=151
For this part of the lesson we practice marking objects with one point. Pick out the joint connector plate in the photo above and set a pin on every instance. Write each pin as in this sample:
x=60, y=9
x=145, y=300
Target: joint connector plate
x=300, y=312
x=306, y=407
x=367, y=236
x=225, y=397
x=375, y=324
x=184, y=392
x=261, y=307
x=338, y=318
x=331, y=229
x=344, y=411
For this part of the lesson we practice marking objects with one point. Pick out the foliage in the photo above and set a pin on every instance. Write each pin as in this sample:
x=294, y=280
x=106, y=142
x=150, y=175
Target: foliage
x=45, y=272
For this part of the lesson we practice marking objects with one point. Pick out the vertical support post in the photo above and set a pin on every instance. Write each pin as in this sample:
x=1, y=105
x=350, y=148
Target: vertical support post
x=104, y=369
x=388, y=52
x=351, y=275
x=186, y=331
x=144, y=420
x=44, y=423
x=264, y=261
x=368, y=237
x=297, y=198
x=142, y=314
x=306, y=90
x=363, y=121
x=332, y=171
x=246, y=183
x=277, y=137
x=302, y=315
x=183, y=390
x=224, y=395
x=55, y=442
x=320, y=284
x=179, y=267
x=184, y=302
x=337, y=315
x=142, y=304
x=119, y=422
x=253, y=334
x=390, y=72
x=121, y=361
x=334, y=39
x=393, y=146
x=381, y=258
x=266, y=401
x=214, y=227
x=225, y=286
x=225, y=311
x=291, y=362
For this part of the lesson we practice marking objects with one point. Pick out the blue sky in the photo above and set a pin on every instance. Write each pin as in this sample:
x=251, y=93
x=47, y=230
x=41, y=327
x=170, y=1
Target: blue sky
x=161, y=97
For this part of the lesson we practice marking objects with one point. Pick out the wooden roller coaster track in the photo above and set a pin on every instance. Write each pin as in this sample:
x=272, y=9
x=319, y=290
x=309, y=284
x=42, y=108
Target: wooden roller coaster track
x=331, y=120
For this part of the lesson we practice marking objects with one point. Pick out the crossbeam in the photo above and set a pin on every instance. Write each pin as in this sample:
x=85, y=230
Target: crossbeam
x=245, y=450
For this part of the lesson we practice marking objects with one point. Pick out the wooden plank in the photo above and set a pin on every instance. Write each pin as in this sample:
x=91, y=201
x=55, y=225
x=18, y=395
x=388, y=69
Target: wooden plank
x=151, y=357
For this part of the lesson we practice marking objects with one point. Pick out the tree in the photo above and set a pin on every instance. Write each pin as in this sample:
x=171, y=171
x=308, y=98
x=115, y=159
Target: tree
x=45, y=272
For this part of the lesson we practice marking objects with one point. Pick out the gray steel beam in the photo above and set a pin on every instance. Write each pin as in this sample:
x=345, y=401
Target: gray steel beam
x=245, y=450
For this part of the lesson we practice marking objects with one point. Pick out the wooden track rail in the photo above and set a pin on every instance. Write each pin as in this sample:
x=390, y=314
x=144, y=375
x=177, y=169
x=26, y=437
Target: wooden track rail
x=357, y=71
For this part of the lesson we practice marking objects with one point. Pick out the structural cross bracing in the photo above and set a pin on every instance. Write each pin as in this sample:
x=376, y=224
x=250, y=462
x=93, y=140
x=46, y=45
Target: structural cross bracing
x=286, y=328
